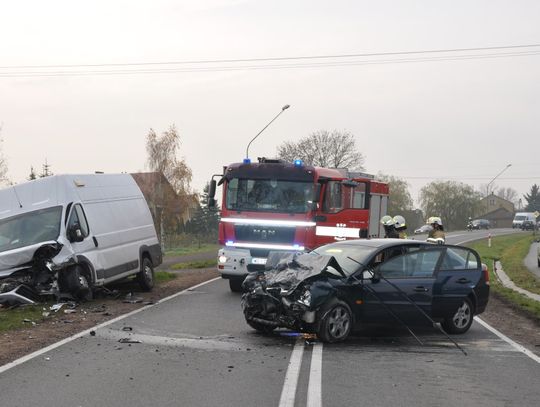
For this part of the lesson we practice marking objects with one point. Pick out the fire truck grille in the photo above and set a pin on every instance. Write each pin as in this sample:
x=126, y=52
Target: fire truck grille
x=264, y=234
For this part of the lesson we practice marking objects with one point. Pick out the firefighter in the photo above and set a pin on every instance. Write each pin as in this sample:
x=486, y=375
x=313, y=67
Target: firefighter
x=389, y=227
x=401, y=227
x=436, y=235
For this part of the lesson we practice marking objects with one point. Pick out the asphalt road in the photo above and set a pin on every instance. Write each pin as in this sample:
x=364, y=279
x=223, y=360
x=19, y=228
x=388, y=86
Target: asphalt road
x=196, y=350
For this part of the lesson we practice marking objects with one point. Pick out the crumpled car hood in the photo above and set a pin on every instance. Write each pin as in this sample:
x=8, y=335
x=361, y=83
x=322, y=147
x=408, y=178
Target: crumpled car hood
x=288, y=270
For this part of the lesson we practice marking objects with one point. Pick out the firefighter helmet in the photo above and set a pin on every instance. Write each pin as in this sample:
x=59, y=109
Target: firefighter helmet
x=399, y=221
x=387, y=220
x=434, y=220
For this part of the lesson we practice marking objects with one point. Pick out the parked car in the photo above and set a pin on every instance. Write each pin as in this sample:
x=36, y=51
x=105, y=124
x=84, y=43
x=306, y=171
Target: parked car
x=481, y=224
x=423, y=229
x=528, y=225
x=341, y=286
x=65, y=234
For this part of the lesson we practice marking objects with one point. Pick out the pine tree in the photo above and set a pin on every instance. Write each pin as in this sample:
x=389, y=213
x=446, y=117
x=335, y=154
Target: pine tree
x=46, y=171
x=32, y=175
x=533, y=199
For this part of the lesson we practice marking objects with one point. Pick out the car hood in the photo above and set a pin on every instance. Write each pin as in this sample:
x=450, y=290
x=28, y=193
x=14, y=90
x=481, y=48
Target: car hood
x=288, y=270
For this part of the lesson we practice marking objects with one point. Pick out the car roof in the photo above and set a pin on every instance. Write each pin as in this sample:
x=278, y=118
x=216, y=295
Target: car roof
x=380, y=243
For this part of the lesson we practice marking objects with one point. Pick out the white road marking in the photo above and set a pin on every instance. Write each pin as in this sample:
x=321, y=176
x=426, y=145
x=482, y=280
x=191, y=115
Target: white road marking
x=288, y=393
x=26, y=358
x=314, y=395
x=505, y=338
x=214, y=344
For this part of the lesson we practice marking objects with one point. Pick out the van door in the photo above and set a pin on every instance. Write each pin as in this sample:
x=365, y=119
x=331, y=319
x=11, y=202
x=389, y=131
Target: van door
x=78, y=234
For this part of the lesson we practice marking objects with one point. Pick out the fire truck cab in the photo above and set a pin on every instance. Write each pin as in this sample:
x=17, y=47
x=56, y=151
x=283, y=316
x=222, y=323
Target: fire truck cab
x=274, y=205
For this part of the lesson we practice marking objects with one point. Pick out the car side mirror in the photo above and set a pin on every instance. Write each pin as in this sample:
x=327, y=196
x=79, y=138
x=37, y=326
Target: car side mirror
x=376, y=276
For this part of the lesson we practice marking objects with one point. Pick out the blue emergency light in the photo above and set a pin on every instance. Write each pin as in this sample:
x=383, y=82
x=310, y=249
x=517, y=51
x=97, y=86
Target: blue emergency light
x=247, y=161
x=298, y=163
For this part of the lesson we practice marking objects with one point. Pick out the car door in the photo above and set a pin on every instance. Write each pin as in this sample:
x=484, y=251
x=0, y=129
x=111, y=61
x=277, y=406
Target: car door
x=404, y=279
x=459, y=274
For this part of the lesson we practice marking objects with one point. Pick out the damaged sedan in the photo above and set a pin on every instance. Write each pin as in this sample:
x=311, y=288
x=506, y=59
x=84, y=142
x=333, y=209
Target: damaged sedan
x=342, y=286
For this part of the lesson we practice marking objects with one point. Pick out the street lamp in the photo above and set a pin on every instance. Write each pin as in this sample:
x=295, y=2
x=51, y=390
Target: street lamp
x=491, y=182
x=247, y=149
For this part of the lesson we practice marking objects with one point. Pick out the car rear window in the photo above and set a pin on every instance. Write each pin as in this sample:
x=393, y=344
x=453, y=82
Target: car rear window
x=457, y=258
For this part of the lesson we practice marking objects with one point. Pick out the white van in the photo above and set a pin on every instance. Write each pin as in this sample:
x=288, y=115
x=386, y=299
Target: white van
x=66, y=234
x=523, y=216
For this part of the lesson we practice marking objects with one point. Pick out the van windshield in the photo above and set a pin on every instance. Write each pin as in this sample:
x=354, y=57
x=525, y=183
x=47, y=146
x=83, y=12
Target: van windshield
x=520, y=217
x=30, y=228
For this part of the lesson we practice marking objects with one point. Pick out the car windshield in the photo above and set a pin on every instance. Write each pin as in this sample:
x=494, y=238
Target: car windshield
x=348, y=256
x=30, y=228
x=269, y=195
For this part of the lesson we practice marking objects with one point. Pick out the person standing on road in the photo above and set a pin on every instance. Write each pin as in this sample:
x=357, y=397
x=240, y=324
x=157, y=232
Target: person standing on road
x=436, y=235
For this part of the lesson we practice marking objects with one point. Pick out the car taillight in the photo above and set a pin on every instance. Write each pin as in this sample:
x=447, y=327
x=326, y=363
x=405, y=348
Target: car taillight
x=486, y=273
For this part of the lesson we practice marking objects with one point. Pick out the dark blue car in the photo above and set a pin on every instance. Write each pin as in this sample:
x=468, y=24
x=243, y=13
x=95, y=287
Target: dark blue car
x=341, y=286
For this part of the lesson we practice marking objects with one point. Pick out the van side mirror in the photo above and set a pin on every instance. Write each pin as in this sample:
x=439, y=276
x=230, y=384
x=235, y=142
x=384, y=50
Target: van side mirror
x=75, y=234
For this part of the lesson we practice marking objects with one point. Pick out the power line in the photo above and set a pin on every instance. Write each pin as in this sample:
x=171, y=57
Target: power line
x=60, y=73
x=268, y=59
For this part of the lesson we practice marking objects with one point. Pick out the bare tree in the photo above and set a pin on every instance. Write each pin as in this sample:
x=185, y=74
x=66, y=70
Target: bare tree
x=336, y=149
x=454, y=202
x=510, y=194
x=168, y=200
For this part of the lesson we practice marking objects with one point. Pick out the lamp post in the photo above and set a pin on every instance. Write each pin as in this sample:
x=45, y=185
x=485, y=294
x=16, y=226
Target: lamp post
x=491, y=182
x=264, y=128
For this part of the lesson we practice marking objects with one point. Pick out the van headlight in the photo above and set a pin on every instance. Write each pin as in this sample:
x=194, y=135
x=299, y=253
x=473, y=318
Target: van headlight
x=305, y=298
x=222, y=259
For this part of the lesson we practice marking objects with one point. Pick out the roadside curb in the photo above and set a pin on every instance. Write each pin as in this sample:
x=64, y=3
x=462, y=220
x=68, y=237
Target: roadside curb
x=508, y=283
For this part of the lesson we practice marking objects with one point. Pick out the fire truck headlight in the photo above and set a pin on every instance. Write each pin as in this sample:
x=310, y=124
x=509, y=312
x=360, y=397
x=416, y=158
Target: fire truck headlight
x=222, y=259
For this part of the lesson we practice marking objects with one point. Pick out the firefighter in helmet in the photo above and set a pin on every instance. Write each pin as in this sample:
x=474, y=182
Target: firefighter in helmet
x=436, y=235
x=400, y=225
x=389, y=227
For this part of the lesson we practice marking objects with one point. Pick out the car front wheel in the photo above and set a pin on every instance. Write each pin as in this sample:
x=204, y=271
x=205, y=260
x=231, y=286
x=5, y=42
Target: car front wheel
x=336, y=322
x=462, y=319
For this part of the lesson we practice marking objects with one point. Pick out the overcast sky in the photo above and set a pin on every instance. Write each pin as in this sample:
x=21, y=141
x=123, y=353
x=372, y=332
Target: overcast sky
x=458, y=119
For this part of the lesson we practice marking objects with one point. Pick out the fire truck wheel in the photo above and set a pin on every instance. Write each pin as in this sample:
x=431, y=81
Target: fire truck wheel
x=235, y=284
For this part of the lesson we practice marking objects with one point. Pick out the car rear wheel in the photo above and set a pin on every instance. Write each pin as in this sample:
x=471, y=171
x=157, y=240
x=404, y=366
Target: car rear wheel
x=336, y=322
x=462, y=319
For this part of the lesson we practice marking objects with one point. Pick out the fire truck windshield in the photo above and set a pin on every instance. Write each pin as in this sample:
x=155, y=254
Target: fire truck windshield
x=265, y=195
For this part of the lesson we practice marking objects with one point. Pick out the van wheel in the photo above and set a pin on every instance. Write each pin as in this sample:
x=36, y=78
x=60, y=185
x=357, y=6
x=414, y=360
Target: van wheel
x=145, y=277
x=77, y=282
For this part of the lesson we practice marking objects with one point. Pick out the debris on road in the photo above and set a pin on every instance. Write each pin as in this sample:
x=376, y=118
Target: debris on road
x=128, y=340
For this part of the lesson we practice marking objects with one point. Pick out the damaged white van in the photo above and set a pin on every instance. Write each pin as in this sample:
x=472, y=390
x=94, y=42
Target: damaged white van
x=66, y=234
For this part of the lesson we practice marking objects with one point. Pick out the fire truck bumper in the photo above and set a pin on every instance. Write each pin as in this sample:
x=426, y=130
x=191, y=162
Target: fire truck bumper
x=236, y=263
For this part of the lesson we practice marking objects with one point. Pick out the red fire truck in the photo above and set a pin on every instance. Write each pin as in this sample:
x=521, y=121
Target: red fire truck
x=275, y=205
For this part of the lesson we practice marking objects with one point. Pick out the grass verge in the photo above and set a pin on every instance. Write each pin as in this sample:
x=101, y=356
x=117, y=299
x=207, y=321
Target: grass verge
x=23, y=316
x=181, y=251
x=510, y=251
x=201, y=264
x=164, y=276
